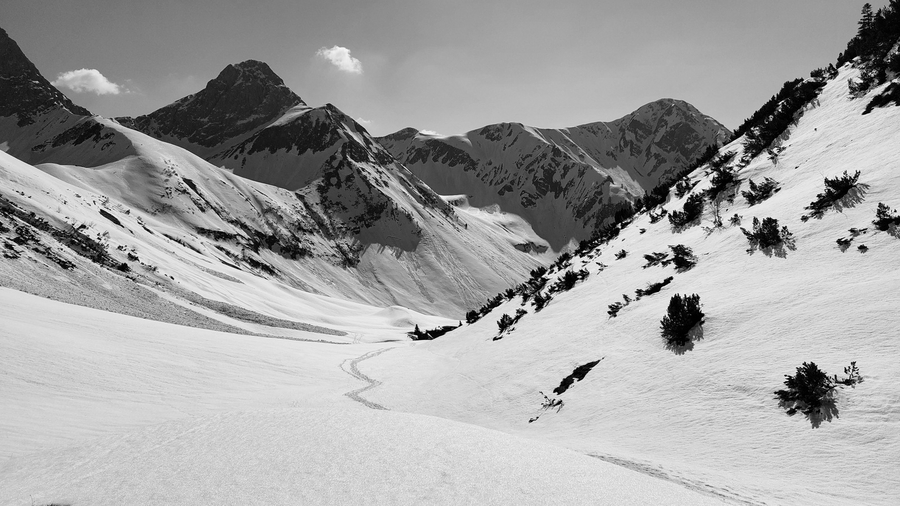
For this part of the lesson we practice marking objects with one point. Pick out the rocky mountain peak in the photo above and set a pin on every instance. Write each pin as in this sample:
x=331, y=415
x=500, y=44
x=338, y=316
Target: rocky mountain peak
x=248, y=72
x=243, y=97
x=24, y=92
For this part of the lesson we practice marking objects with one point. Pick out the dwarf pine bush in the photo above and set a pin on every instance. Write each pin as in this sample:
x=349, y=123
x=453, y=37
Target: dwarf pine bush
x=760, y=192
x=766, y=234
x=682, y=316
x=691, y=211
x=835, y=189
x=885, y=217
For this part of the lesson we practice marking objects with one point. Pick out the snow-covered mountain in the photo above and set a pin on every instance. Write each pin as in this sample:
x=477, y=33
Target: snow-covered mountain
x=240, y=100
x=343, y=219
x=565, y=182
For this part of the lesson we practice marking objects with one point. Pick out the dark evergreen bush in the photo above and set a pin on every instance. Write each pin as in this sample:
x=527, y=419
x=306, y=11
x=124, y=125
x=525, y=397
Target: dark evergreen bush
x=614, y=309
x=885, y=217
x=568, y=280
x=806, y=390
x=692, y=210
x=683, y=258
x=656, y=258
x=760, y=192
x=723, y=178
x=505, y=322
x=682, y=316
x=766, y=234
x=835, y=189
x=652, y=288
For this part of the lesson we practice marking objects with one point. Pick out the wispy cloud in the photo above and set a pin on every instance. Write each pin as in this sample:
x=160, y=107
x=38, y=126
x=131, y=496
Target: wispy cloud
x=364, y=122
x=428, y=132
x=87, y=81
x=340, y=58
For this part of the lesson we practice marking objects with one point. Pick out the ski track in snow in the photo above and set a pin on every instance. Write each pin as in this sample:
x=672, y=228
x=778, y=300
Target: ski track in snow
x=353, y=370
x=697, y=486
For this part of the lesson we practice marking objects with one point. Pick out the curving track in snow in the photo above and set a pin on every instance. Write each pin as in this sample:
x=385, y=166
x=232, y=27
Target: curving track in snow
x=351, y=367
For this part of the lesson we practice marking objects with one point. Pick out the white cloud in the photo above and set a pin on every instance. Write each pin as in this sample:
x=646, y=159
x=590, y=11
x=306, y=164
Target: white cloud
x=428, y=132
x=364, y=122
x=87, y=80
x=340, y=58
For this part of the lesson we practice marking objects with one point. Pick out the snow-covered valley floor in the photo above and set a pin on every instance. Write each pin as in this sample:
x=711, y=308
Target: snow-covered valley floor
x=106, y=409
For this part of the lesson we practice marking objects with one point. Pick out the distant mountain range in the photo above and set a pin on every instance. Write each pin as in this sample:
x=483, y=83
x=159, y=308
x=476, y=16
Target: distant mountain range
x=566, y=182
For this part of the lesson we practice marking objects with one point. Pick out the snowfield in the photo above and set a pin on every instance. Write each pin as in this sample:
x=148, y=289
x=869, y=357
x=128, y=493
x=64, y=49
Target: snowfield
x=105, y=409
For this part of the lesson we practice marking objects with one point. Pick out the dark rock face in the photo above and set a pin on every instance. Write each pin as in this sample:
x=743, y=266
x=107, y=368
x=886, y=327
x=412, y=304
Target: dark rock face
x=241, y=98
x=24, y=92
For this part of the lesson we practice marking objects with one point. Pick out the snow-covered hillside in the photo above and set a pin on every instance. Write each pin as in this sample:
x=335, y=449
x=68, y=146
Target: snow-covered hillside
x=705, y=415
x=184, y=225
x=567, y=182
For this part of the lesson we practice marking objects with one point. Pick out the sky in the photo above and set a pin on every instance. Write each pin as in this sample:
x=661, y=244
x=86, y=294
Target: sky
x=443, y=66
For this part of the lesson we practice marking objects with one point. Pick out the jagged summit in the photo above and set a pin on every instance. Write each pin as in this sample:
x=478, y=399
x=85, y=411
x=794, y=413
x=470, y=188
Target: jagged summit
x=25, y=92
x=243, y=97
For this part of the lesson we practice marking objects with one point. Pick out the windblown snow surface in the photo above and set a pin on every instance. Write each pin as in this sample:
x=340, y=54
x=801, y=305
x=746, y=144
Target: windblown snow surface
x=105, y=409
x=101, y=408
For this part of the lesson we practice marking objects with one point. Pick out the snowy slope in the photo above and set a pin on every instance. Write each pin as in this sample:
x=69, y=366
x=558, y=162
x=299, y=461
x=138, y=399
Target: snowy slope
x=105, y=409
x=182, y=218
x=707, y=416
x=565, y=182
x=335, y=215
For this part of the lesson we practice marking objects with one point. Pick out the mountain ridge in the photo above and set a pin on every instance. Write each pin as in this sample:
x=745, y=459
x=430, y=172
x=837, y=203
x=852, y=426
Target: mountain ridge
x=567, y=182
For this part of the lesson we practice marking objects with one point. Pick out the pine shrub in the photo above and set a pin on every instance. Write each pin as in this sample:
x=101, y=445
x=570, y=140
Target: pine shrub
x=806, y=390
x=656, y=258
x=652, y=288
x=682, y=316
x=766, y=234
x=683, y=257
x=691, y=211
x=835, y=189
x=760, y=192
x=885, y=217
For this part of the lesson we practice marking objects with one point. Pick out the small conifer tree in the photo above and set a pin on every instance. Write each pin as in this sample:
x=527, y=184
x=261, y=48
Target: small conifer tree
x=682, y=316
